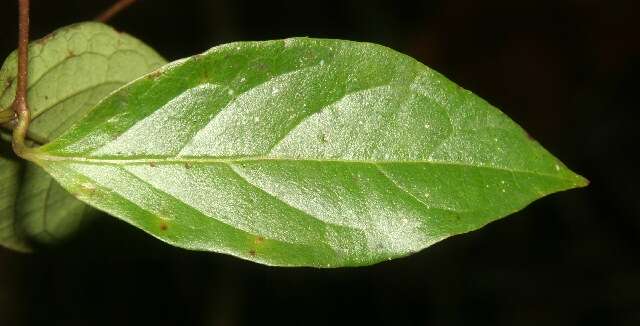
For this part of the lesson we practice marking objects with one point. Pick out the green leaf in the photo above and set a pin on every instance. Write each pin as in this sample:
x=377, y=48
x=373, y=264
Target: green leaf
x=33, y=206
x=302, y=152
x=46, y=212
x=9, y=182
x=70, y=70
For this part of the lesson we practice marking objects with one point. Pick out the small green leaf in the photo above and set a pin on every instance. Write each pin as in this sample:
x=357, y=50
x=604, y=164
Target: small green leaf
x=302, y=152
x=70, y=70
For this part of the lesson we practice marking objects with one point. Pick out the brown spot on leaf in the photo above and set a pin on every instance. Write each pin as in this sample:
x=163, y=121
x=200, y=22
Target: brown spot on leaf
x=187, y=165
x=529, y=136
x=252, y=252
x=85, y=190
x=261, y=66
x=154, y=75
x=45, y=39
x=259, y=240
x=88, y=187
x=163, y=226
x=152, y=164
x=8, y=83
x=70, y=54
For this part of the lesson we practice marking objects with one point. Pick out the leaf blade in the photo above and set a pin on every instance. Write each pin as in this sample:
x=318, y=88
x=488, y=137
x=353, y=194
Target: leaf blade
x=349, y=162
x=45, y=212
x=70, y=70
x=10, y=170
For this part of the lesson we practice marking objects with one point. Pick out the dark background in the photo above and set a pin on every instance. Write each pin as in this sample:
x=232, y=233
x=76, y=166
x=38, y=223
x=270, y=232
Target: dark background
x=565, y=70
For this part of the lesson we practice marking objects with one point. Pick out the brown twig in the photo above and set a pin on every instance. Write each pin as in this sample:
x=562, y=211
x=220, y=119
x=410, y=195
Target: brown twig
x=20, y=105
x=114, y=10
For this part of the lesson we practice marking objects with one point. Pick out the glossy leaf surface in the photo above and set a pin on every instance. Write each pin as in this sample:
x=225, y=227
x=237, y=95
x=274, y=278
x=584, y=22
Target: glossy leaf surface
x=70, y=71
x=302, y=152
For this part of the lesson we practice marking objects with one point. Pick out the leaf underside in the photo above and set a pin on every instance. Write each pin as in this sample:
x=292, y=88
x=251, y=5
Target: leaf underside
x=70, y=70
x=9, y=180
x=302, y=152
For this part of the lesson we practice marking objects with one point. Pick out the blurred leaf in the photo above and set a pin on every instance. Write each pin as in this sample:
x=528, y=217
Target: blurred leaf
x=46, y=212
x=9, y=183
x=70, y=70
x=302, y=152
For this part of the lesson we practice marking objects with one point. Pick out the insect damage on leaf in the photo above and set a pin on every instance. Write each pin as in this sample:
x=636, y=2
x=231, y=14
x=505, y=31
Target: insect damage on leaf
x=303, y=152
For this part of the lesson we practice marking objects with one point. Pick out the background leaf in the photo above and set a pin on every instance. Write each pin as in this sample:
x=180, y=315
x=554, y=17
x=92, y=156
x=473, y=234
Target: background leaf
x=70, y=70
x=45, y=211
x=302, y=152
x=9, y=185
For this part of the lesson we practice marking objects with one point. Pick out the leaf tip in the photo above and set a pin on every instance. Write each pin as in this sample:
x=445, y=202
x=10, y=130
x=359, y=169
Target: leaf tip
x=581, y=181
x=576, y=180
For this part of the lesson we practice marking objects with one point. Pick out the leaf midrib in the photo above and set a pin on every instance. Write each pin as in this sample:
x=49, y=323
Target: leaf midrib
x=40, y=156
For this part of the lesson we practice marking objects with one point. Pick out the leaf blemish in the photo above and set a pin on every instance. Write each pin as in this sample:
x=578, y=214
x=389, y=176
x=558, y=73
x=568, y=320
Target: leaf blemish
x=8, y=83
x=529, y=136
x=187, y=165
x=152, y=164
x=261, y=66
x=86, y=189
x=164, y=226
x=45, y=39
x=259, y=240
x=252, y=252
x=154, y=75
